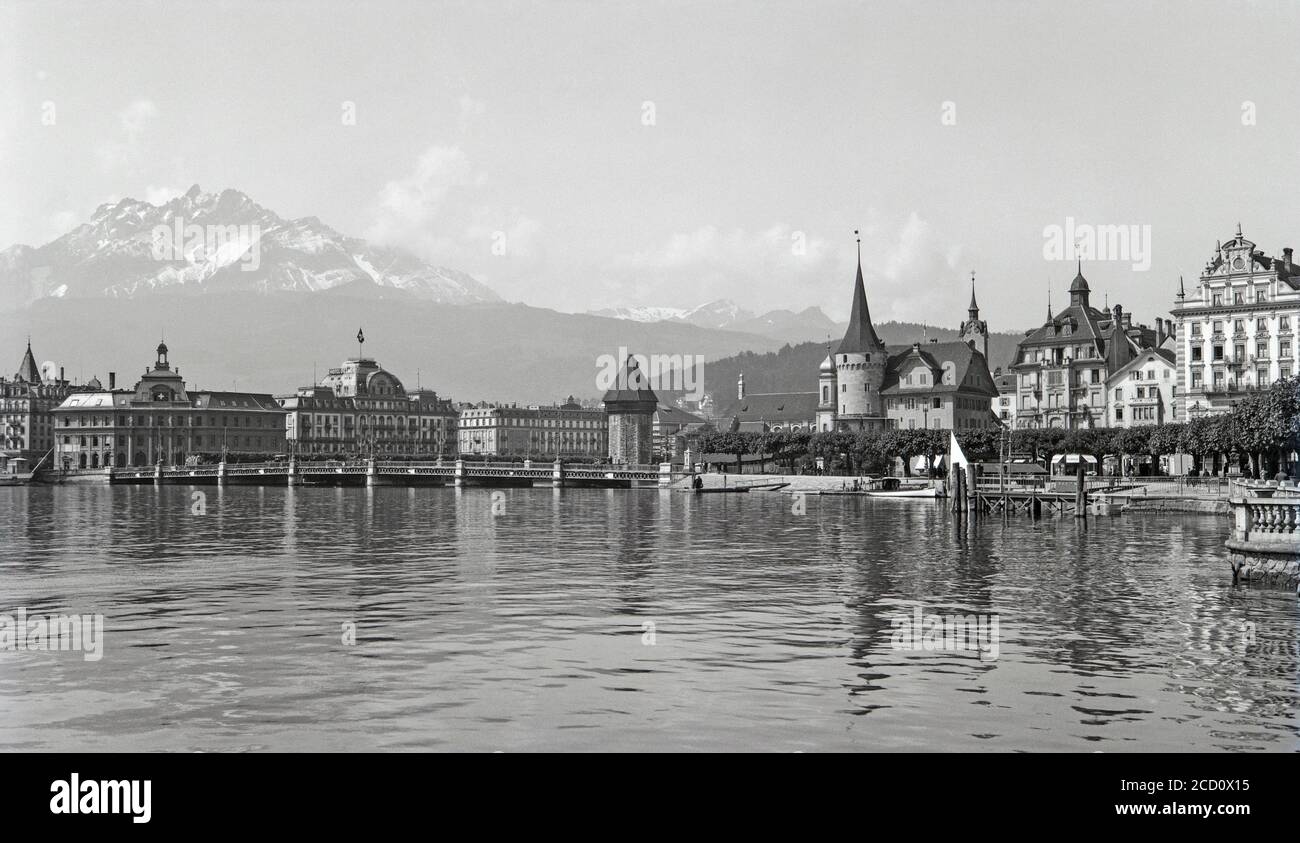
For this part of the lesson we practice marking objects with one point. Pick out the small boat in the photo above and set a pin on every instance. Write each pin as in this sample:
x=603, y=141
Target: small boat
x=15, y=479
x=892, y=487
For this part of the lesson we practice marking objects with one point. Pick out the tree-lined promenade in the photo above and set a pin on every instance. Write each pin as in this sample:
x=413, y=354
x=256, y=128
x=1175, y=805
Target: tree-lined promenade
x=1257, y=436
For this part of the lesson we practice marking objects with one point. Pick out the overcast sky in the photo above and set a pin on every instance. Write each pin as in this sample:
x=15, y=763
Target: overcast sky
x=771, y=124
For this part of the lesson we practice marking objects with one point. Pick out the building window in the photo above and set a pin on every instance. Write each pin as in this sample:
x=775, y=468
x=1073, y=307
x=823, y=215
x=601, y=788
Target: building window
x=1217, y=299
x=1218, y=353
x=1284, y=323
x=1261, y=294
x=1261, y=325
x=1196, y=329
x=1285, y=350
x=1119, y=414
x=1238, y=352
x=1196, y=353
x=1239, y=325
x=1261, y=350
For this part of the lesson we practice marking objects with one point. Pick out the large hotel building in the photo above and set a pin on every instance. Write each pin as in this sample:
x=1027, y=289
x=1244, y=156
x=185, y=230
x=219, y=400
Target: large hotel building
x=567, y=430
x=1236, y=328
x=362, y=409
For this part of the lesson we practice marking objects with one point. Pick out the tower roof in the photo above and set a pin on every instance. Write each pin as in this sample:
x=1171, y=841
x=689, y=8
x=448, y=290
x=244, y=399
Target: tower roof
x=632, y=385
x=1079, y=284
x=27, y=370
x=861, y=335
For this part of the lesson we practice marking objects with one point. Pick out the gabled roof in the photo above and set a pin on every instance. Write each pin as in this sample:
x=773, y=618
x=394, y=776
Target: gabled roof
x=1140, y=358
x=935, y=354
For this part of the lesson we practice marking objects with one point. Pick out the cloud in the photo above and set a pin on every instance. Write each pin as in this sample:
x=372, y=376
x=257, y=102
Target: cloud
x=439, y=212
x=121, y=149
x=161, y=195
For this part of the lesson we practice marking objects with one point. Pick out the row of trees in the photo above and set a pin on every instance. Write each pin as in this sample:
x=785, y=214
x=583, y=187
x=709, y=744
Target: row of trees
x=1261, y=428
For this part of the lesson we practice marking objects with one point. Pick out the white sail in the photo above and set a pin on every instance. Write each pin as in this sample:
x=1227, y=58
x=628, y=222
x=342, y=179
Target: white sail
x=955, y=455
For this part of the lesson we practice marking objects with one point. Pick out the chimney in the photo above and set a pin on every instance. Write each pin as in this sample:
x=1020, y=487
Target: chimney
x=1286, y=259
x=740, y=386
x=1160, y=330
x=112, y=381
x=61, y=380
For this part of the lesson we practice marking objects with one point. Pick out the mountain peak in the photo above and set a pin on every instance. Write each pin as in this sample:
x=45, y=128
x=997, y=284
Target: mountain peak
x=230, y=244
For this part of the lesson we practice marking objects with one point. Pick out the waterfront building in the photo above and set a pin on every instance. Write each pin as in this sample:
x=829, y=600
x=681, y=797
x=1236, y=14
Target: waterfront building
x=567, y=431
x=1235, y=329
x=362, y=409
x=674, y=429
x=629, y=409
x=1004, y=405
x=760, y=412
x=161, y=421
x=27, y=402
x=1062, y=367
x=865, y=385
x=939, y=385
x=1144, y=390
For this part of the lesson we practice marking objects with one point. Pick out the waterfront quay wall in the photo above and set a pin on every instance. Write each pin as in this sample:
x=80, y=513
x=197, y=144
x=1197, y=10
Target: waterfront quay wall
x=1264, y=544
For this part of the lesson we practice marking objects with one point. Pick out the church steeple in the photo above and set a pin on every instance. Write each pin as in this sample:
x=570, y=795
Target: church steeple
x=861, y=335
x=975, y=331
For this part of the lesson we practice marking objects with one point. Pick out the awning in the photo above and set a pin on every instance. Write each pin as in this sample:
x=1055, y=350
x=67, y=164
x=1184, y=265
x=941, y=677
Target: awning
x=1074, y=459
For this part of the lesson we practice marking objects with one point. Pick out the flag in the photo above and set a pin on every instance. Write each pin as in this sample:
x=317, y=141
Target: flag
x=360, y=336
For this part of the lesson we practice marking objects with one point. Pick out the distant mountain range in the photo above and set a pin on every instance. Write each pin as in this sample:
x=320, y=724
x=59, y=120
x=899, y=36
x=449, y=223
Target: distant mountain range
x=217, y=242
x=97, y=299
x=725, y=314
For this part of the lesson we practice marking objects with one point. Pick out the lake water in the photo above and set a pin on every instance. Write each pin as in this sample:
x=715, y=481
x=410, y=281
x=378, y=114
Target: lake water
x=626, y=620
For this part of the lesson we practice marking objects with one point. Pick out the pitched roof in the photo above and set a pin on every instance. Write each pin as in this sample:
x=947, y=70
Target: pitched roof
x=861, y=335
x=632, y=385
x=772, y=407
x=27, y=370
x=963, y=358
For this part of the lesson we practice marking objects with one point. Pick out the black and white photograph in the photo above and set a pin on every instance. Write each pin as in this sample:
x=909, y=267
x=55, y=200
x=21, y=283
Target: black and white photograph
x=552, y=376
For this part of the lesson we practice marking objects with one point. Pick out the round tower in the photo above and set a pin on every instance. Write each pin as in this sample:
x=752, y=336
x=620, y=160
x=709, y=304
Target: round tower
x=860, y=362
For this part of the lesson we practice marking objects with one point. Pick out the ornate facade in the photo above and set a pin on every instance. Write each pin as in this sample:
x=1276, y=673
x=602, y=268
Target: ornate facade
x=362, y=409
x=160, y=421
x=1062, y=367
x=1235, y=330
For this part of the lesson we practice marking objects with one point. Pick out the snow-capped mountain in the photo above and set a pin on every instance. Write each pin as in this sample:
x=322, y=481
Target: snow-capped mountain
x=200, y=242
x=724, y=314
x=641, y=314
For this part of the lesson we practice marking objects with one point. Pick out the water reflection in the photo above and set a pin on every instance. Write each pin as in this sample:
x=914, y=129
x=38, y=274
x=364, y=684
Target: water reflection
x=591, y=619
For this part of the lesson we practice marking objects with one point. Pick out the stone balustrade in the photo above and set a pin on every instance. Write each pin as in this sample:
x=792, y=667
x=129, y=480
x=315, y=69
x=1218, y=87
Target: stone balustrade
x=1265, y=539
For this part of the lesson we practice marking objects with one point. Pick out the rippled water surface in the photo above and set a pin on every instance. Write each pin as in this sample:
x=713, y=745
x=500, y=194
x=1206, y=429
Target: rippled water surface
x=528, y=630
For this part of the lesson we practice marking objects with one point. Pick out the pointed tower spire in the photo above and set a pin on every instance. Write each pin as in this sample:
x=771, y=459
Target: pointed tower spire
x=1181, y=292
x=27, y=370
x=974, y=308
x=1049, y=301
x=861, y=335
